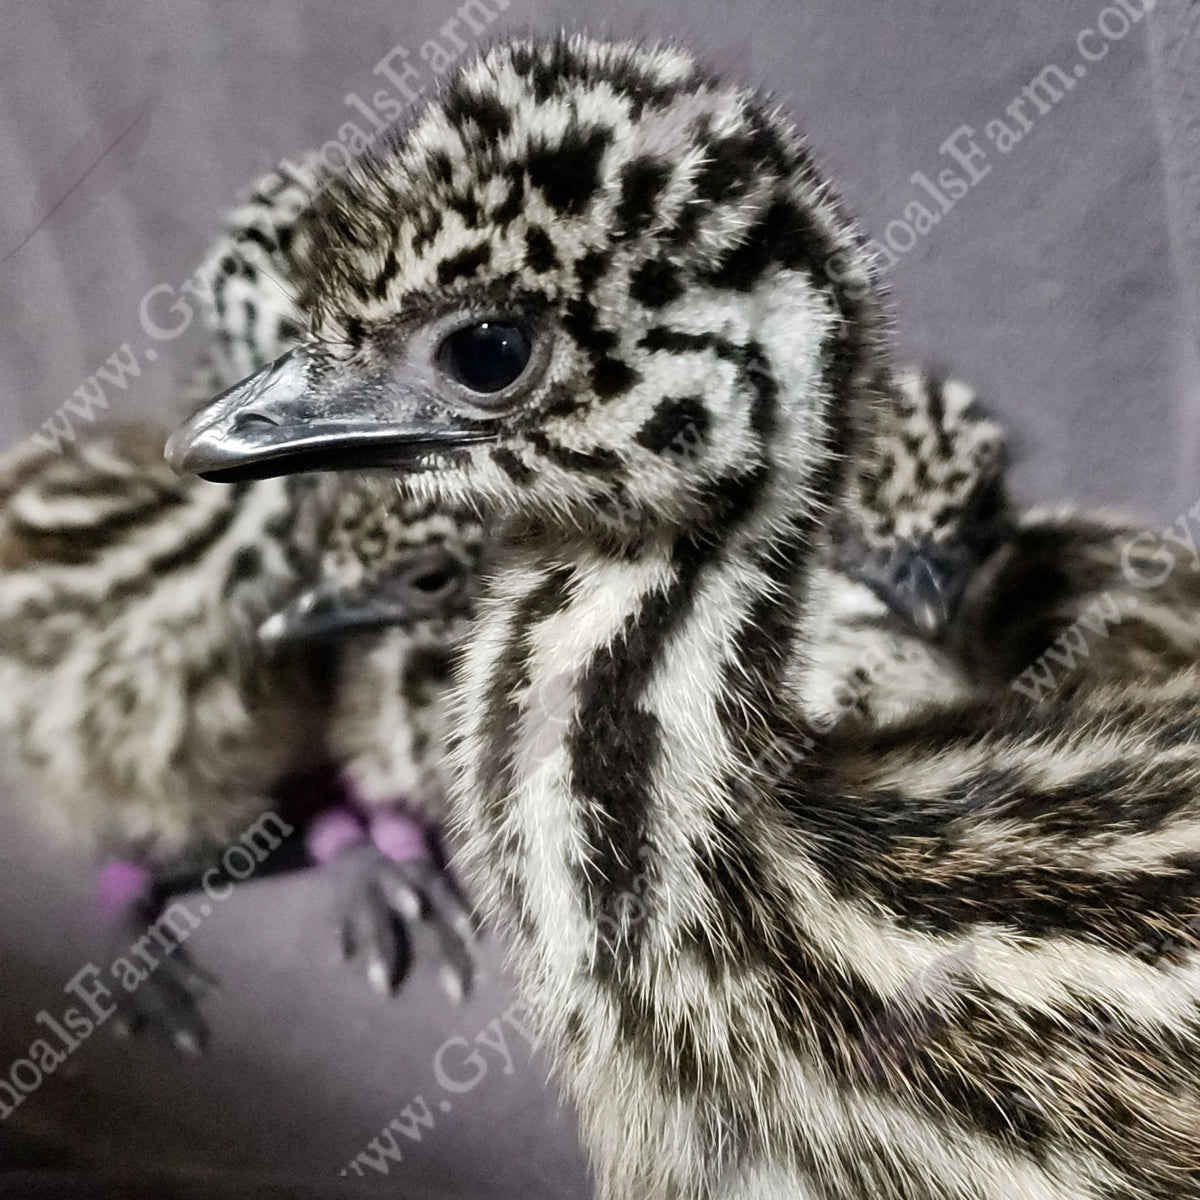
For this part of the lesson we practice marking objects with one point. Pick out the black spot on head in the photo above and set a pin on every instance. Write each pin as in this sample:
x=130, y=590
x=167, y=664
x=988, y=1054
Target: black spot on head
x=441, y=168
x=247, y=565
x=642, y=183
x=550, y=69
x=783, y=236
x=568, y=174
x=510, y=207
x=745, y=265
x=528, y=62
x=385, y=276
x=946, y=517
x=600, y=461
x=486, y=113
x=468, y=208
x=427, y=231
x=655, y=284
x=734, y=163
x=581, y=321
x=539, y=250
x=511, y=465
x=612, y=376
x=671, y=421
x=465, y=263
x=561, y=401
x=920, y=470
x=687, y=223
x=913, y=444
x=341, y=224
x=590, y=268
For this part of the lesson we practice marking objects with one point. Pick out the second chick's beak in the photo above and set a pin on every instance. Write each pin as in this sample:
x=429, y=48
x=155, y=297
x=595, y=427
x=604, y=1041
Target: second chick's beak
x=424, y=583
x=924, y=585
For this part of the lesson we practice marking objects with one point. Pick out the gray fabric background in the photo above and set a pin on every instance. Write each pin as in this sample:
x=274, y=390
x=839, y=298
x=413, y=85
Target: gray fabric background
x=1065, y=285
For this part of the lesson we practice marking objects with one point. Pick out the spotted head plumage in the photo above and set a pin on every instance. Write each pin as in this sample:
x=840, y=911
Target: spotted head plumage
x=927, y=504
x=563, y=280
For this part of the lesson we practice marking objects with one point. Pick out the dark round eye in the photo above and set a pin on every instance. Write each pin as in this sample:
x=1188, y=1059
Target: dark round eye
x=438, y=581
x=487, y=357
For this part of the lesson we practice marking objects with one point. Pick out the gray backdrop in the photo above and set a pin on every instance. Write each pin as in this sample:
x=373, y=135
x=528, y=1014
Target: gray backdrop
x=1064, y=283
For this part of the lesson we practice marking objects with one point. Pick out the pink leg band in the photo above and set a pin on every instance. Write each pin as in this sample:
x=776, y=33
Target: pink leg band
x=119, y=884
x=331, y=833
x=401, y=838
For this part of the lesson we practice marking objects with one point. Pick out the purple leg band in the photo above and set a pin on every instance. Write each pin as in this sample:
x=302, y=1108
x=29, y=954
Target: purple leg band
x=120, y=884
x=401, y=838
x=331, y=833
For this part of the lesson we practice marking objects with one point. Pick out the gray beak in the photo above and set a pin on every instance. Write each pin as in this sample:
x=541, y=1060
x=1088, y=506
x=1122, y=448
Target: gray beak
x=429, y=582
x=920, y=584
x=322, y=612
x=295, y=415
x=929, y=598
x=926, y=587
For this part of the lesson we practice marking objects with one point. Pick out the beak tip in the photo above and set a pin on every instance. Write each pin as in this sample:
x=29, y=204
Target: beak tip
x=272, y=631
x=930, y=618
x=187, y=450
x=175, y=451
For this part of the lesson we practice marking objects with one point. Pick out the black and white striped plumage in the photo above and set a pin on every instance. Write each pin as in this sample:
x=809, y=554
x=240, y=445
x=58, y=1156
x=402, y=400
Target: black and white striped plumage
x=1071, y=597
x=962, y=593
x=392, y=584
x=132, y=693
x=954, y=960
x=144, y=716
x=382, y=559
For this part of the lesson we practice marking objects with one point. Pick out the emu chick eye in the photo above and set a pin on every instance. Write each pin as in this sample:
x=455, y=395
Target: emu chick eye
x=487, y=357
x=437, y=581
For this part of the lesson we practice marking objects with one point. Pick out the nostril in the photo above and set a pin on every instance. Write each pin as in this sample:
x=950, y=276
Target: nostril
x=254, y=420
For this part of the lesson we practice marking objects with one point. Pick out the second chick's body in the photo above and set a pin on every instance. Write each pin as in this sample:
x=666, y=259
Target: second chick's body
x=147, y=718
x=135, y=699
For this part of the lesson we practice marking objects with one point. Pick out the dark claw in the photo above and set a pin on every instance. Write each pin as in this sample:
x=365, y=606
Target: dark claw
x=454, y=927
x=381, y=908
x=167, y=1000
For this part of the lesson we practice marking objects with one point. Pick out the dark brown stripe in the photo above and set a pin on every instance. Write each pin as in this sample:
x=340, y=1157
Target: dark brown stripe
x=510, y=677
x=179, y=557
x=594, y=461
